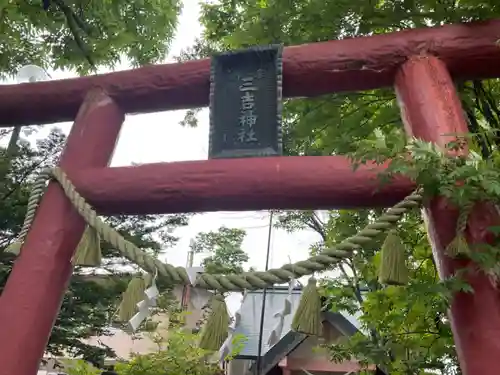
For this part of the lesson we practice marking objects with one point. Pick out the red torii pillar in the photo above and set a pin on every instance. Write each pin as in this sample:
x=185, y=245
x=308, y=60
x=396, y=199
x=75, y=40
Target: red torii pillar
x=431, y=111
x=32, y=297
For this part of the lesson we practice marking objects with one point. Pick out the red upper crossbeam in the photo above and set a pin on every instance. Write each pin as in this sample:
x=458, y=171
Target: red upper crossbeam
x=469, y=51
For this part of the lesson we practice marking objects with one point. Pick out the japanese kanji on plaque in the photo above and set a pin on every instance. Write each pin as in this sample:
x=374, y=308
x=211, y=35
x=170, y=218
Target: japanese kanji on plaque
x=246, y=103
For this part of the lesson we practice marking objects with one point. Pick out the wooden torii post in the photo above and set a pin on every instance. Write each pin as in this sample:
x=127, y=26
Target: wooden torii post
x=419, y=63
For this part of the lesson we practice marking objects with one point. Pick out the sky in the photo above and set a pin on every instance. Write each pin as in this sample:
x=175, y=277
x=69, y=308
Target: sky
x=158, y=137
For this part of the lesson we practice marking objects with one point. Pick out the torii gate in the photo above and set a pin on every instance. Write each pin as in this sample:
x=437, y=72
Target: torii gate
x=419, y=64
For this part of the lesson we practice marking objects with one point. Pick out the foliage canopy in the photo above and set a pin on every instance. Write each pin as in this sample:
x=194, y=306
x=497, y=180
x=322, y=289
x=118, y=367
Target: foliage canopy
x=80, y=35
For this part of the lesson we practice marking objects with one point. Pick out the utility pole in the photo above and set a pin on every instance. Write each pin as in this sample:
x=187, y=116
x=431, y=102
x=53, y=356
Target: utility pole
x=186, y=293
x=258, y=364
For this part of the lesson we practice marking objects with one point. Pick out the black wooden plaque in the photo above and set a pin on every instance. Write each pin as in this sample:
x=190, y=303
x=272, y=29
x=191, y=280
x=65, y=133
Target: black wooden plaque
x=246, y=103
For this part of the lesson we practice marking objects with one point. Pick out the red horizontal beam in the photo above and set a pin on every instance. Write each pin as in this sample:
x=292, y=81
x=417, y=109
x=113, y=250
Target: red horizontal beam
x=469, y=50
x=300, y=182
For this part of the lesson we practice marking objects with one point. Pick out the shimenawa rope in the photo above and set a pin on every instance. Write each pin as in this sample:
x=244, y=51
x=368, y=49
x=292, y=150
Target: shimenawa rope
x=223, y=283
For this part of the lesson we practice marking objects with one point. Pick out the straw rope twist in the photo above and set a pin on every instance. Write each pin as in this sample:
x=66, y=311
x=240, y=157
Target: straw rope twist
x=247, y=280
x=463, y=217
x=36, y=194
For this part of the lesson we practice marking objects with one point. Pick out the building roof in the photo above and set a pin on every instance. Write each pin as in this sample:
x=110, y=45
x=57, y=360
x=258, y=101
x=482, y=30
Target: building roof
x=251, y=313
x=249, y=325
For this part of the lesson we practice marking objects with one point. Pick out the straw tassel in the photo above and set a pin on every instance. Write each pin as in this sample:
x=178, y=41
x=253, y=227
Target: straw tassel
x=459, y=247
x=88, y=252
x=133, y=295
x=215, y=331
x=14, y=247
x=307, y=318
x=148, y=279
x=393, y=269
